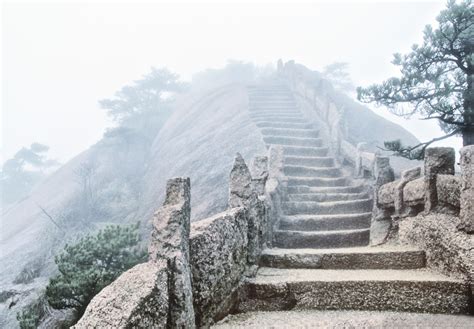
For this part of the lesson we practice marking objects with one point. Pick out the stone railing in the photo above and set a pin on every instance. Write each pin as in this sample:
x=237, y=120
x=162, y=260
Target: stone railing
x=195, y=270
x=438, y=191
x=312, y=89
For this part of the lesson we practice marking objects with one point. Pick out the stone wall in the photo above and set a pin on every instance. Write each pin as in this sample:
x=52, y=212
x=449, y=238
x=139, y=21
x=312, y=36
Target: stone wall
x=194, y=273
x=433, y=212
x=218, y=263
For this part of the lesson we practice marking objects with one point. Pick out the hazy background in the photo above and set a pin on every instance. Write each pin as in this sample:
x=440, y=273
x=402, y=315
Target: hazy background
x=59, y=59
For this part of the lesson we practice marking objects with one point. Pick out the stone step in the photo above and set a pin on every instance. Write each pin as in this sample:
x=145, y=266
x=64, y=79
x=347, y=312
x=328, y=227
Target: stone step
x=341, y=319
x=317, y=182
x=371, y=290
x=321, y=197
x=293, y=141
x=328, y=207
x=321, y=239
x=264, y=116
x=305, y=151
x=309, y=161
x=270, y=91
x=275, y=112
x=278, y=119
x=290, y=125
x=370, y=258
x=304, y=171
x=325, y=189
x=271, y=102
x=289, y=132
x=260, y=98
x=325, y=222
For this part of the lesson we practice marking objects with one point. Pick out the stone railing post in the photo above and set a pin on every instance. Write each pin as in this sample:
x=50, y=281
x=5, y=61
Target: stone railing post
x=398, y=199
x=467, y=190
x=381, y=219
x=243, y=194
x=275, y=188
x=170, y=242
x=438, y=160
x=259, y=173
x=358, y=159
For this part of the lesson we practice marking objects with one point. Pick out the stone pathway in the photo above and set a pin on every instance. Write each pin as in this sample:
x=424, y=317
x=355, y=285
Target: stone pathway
x=345, y=320
x=321, y=259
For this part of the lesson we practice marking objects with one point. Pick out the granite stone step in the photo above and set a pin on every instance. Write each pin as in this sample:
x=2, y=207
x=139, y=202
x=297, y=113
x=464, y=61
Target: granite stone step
x=290, y=125
x=279, y=119
x=305, y=151
x=289, y=132
x=271, y=102
x=326, y=222
x=321, y=197
x=372, y=290
x=370, y=258
x=305, y=171
x=293, y=141
x=275, y=111
x=302, y=189
x=265, y=116
x=328, y=207
x=317, y=182
x=321, y=239
x=309, y=161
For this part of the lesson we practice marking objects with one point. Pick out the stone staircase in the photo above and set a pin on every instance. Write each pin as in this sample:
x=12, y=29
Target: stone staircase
x=321, y=259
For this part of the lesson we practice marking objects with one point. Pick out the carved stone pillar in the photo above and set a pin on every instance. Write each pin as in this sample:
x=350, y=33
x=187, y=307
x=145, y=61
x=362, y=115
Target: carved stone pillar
x=381, y=219
x=438, y=160
x=243, y=194
x=170, y=243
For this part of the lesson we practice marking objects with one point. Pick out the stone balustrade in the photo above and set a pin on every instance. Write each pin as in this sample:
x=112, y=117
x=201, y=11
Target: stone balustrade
x=195, y=270
x=310, y=87
x=438, y=191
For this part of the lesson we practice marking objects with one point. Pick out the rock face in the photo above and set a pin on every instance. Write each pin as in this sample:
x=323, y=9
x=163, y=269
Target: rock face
x=199, y=141
x=137, y=299
x=467, y=189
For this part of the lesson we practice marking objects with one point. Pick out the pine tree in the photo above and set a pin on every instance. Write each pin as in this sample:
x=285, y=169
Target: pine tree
x=437, y=79
x=91, y=264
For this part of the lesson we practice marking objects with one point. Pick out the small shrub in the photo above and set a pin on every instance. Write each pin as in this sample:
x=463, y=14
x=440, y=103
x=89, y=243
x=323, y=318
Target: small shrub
x=91, y=264
x=30, y=317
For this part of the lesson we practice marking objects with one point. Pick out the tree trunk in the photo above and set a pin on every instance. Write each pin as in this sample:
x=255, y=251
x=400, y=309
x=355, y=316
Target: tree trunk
x=468, y=131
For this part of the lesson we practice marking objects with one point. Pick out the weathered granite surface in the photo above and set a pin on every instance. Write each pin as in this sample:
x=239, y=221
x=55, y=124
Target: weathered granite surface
x=218, y=247
x=381, y=221
x=448, y=250
x=414, y=193
x=137, y=299
x=170, y=242
x=343, y=319
x=449, y=190
x=467, y=189
x=244, y=192
x=438, y=160
x=396, y=290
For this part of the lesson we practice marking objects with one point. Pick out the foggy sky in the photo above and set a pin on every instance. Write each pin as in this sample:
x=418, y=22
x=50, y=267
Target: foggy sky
x=59, y=59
